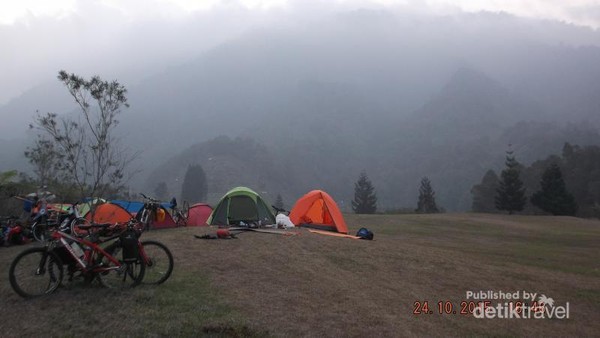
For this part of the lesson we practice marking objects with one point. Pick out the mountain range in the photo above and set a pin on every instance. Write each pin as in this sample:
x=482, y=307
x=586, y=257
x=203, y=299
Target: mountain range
x=287, y=111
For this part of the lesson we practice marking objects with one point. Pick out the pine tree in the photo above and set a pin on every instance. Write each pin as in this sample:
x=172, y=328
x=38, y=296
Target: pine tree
x=426, y=203
x=484, y=193
x=554, y=197
x=365, y=198
x=510, y=195
x=278, y=202
x=195, y=186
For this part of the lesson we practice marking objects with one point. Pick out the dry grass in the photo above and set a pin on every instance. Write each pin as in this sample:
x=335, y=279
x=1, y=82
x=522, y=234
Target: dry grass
x=314, y=285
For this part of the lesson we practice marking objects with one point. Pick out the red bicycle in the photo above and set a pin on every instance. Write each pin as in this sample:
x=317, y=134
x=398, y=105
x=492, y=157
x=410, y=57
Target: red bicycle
x=39, y=271
x=155, y=255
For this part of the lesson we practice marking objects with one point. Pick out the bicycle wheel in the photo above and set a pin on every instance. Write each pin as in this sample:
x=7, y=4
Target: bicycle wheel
x=35, y=272
x=127, y=275
x=75, y=230
x=42, y=231
x=159, y=262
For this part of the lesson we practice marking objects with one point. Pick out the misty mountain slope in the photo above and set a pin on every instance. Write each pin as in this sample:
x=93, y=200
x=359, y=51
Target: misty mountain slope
x=229, y=89
x=471, y=106
x=307, y=142
x=564, y=79
x=325, y=135
x=328, y=132
x=454, y=138
x=12, y=155
x=227, y=163
x=457, y=143
x=17, y=114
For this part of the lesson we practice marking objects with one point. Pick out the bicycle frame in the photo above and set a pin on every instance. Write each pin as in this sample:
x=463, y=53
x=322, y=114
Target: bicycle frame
x=95, y=246
x=148, y=213
x=85, y=264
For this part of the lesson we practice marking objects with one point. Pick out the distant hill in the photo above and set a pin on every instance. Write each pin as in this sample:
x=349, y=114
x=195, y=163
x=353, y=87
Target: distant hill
x=228, y=163
x=322, y=143
x=368, y=91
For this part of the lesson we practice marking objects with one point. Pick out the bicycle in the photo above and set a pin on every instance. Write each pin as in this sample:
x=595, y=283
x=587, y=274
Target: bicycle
x=43, y=221
x=180, y=216
x=155, y=255
x=42, y=267
x=41, y=217
x=43, y=228
x=149, y=211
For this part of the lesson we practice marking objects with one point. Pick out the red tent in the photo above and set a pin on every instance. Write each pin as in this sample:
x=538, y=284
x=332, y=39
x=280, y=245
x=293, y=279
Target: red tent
x=168, y=222
x=198, y=214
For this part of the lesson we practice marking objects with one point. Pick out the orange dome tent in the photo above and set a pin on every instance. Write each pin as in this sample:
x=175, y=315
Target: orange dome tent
x=318, y=210
x=109, y=213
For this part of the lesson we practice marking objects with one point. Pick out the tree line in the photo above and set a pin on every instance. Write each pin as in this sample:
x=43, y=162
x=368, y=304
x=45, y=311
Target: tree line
x=559, y=185
x=365, y=197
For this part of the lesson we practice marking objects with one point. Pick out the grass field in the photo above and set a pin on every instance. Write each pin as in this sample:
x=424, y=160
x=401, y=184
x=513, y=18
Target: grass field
x=314, y=285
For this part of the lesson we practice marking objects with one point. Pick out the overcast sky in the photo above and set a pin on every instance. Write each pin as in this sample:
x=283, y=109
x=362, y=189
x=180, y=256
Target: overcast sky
x=41, y=37
x=581, y=12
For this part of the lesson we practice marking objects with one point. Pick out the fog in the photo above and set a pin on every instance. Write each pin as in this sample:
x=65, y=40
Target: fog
x=127, y=40
x=325, y=91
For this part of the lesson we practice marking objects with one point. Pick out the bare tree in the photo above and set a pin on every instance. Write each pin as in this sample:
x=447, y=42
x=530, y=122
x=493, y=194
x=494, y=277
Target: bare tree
x=86, y=152
x=42, y=157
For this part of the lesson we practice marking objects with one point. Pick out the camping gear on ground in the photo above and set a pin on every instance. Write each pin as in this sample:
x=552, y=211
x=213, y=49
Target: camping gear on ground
x=224, y=233
x=207, y=236
x=234, y=231
x=283, y=221
x=12, y=232
x=267, y=231
x=318, y=210
x=365, y=233
x=221, y=234
x=331, y=233
x=241, y=205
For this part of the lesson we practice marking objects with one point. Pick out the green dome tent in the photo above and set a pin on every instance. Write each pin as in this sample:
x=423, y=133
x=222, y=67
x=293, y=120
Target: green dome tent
x=241, y=204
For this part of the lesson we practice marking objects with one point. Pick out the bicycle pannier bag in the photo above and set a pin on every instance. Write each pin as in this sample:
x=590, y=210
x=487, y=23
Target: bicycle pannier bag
x=129, y=241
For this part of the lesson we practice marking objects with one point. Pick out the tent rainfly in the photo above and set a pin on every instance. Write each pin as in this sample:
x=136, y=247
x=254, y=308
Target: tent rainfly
x=318, y=210
x=239, y=205
x=199, y=214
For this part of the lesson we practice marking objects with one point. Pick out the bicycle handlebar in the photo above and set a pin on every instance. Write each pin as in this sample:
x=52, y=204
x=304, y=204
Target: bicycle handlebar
x=150, y=198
